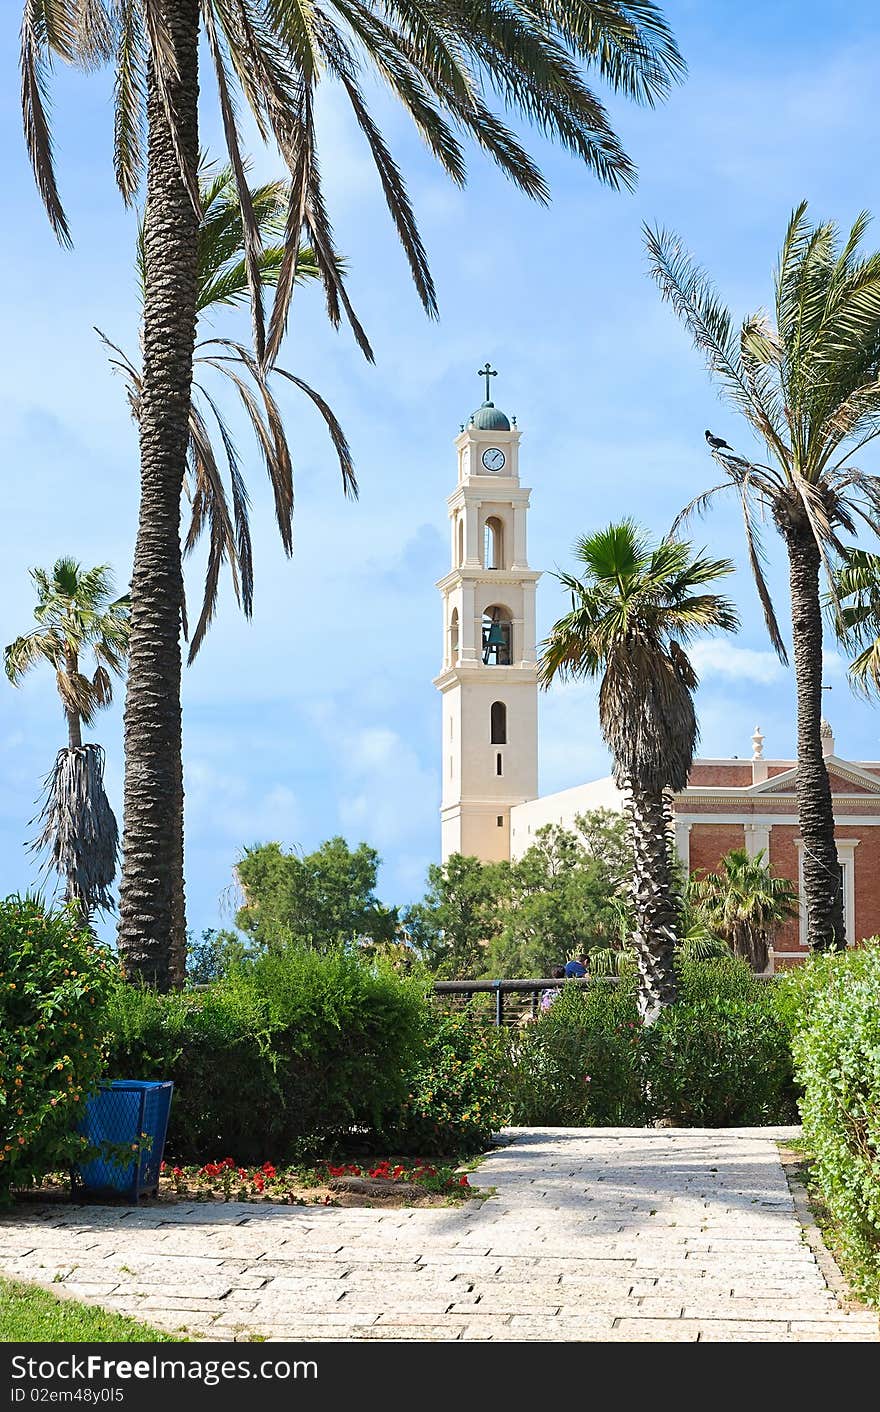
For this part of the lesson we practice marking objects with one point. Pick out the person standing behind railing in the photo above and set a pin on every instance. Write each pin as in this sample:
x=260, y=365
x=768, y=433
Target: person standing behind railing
x=577, y=966
x=549, y=996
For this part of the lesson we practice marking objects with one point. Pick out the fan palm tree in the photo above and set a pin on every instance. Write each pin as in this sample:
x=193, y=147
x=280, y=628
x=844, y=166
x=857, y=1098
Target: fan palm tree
x=744, y=904
x=77, y=614
x=633, y=608
x=452, y=66
x=222, y=283
x=808, y=386
x=857, y=591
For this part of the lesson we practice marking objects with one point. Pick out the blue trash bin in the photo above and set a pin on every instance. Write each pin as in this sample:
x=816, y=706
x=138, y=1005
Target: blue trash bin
x=122, y=1113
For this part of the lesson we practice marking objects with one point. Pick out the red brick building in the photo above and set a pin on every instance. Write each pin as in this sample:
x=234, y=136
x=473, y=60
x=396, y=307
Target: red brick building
x=752, y=804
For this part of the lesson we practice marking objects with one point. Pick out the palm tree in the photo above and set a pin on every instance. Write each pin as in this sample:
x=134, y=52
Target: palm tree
x=744, y=904
x=632, y=609
x=857, y=591
x=451, y=66
x=808, y=386
x=222, y=283
x=77, y=613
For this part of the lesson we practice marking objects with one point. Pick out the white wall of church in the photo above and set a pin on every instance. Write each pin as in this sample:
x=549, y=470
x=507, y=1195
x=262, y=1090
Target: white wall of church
x=562, y=808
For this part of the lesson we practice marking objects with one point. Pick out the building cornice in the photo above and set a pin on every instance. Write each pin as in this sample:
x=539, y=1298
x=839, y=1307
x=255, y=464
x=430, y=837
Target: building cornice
x=784, y=783
x=481, y=575
x=471, y=671
x=867, y=814
x=716, y=794
x=509, y=488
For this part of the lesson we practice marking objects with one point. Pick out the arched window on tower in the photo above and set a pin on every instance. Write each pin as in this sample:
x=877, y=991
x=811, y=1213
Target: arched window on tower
x=460, y=541
x=497, y=637
x=453, y=637
x=499, y=723
x=493, y=544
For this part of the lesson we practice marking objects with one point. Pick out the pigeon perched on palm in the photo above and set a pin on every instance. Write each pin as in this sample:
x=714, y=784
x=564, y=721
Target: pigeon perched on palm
x=716, y=443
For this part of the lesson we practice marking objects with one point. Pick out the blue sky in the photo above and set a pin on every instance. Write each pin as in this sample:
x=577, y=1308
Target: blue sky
x=319, y=716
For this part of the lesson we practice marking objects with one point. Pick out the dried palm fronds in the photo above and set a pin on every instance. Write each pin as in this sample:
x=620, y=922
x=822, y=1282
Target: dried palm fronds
x=78, y=827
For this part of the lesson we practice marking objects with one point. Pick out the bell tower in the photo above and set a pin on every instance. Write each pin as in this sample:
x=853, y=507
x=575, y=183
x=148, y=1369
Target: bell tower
x=489, y=679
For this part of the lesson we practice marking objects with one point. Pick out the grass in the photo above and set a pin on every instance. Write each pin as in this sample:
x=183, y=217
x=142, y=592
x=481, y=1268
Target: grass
x=32, y=1315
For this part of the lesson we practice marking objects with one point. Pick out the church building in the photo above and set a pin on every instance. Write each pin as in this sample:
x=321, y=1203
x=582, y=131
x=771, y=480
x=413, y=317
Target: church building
x=490, y=806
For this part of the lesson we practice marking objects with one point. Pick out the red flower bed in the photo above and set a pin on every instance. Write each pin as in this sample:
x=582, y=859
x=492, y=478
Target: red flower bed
x=226, y=1179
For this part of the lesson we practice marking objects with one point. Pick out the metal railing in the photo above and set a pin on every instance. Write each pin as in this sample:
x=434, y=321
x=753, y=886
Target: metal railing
x=526, y=992
x=513, y=1002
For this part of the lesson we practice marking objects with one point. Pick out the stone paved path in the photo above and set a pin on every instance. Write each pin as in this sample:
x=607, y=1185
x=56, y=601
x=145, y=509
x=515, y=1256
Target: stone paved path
x=596, y=1235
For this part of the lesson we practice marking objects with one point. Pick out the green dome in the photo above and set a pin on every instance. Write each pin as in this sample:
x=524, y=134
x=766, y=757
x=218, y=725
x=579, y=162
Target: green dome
x=490, y=418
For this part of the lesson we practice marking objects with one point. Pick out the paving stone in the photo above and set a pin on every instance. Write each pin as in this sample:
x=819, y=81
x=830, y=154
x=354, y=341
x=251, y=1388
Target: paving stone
x=74, y=1289
x=595, y=1235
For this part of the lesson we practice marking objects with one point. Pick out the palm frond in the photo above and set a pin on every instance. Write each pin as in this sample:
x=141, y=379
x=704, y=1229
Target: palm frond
x=337, y=435
x=46, y=25
x=129, y=99
x=250, y=225
x=78, y=829
x=26, y=651
x=757, y=561
x=393, y=187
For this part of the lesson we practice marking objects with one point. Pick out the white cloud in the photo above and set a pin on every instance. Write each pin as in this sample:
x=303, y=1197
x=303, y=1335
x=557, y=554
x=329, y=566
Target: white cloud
x=223, y=801
x=392, y=797
x=833, y=664
x=744, y=664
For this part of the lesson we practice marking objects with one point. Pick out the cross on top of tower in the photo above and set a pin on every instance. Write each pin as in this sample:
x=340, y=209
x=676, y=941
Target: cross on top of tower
x=487, y=373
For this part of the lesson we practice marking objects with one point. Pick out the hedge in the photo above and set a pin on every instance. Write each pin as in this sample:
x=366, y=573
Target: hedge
x=719, y=1057
x=282, y=1057
x=53, y=981
x=833, y=1006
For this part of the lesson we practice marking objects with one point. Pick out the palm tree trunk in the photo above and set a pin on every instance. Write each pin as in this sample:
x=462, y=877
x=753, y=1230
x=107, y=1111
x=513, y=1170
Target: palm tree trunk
x=74, y=724
x=823, y=893
x=655, y=905
x=74, y=730
x=152, y=914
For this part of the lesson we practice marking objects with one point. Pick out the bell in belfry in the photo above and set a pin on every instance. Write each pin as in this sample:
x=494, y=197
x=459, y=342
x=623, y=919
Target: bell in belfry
x=493, y=641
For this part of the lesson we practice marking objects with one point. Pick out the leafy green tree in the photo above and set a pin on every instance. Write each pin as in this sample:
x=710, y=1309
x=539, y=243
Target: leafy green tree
x=459, y=916
x=632, y=609
x=213, y=954
x=808, y=385
x=318, y=899
x=77, y=615
x=568, y=894
x=452, y=67
x=744, y=904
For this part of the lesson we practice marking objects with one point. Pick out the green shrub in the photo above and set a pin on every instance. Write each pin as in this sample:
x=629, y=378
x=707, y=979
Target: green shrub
x=794, y=990
x=724, y=979
x=218, y=1050
x=719, y=1056
x=835, y=1004
x=456, y=1098
x=718, y=1063
x=578, y=1064
x=53, y=981
x=283, y=1056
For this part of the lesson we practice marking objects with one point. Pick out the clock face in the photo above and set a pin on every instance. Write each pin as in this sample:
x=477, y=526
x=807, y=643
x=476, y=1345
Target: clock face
x=494, y=459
